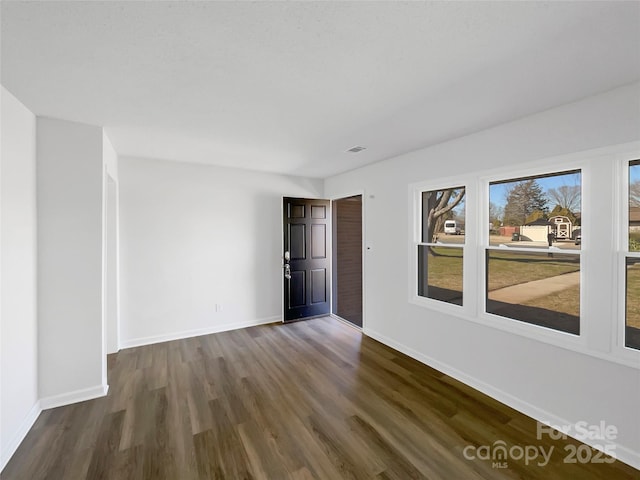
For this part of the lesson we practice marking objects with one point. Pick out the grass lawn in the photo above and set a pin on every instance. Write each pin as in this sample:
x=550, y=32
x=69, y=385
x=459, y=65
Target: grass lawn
x=507, y=268
x=634, y=241
x=565, y=301
x=633, y=296
x=444, y=270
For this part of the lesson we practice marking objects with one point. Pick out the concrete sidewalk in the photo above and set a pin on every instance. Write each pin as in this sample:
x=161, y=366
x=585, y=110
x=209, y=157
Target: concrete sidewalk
x=538, y=288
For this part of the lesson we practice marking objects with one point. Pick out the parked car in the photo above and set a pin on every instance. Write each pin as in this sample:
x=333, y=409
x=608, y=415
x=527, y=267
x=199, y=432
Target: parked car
x=577, y=236
x=452, y=227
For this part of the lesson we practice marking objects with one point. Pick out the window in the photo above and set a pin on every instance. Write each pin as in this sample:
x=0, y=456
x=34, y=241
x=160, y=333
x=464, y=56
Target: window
x=632, y=270
x=533, y=253
x=441, y=245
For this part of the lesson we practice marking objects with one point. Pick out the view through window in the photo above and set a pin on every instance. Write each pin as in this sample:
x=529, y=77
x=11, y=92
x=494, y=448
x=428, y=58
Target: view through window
x=441, y=250
x=533, y=257
x=632, y=320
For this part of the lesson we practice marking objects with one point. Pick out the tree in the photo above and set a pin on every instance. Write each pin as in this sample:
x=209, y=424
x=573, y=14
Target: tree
x=634, y=194
x=524, y=198
x=496, y=213
x=567, y=196
x=437, y=206
x=535, y=215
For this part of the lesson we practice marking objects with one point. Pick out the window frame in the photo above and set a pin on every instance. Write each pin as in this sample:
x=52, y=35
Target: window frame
x=467, y=309
x=526, y=327
x=622, y=243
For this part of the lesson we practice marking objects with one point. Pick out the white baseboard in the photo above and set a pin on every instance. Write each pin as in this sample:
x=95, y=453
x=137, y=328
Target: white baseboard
x=18, y=436
x=74, y=397
x=622, y=453
x=628, y=456
x=139, y=342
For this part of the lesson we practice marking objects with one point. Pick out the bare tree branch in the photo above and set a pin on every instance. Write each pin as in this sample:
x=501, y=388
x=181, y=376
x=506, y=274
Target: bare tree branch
x=436, y=205
x=445, y=207
x=567, y=196
x=496, y=212
x=634, y=194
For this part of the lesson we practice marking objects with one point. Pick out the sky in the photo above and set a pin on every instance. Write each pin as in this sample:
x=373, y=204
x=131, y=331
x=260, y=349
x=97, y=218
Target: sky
x=497, y=192
x=634, y=173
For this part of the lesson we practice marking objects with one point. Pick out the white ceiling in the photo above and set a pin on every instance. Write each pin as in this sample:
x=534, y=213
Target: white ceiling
x=289, y=86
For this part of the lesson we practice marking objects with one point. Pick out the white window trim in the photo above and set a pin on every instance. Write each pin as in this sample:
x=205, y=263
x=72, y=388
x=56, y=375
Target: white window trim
x=468, y=308
x=477, y=242
x=622, y=243
x=538, y=332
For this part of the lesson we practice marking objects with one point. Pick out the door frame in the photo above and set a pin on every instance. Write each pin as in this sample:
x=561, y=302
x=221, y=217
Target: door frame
x=334, y=272
x=282, y=262
x=332, y=198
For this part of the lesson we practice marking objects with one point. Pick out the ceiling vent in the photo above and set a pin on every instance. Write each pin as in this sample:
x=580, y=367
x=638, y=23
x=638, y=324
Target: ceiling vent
x=357, y=149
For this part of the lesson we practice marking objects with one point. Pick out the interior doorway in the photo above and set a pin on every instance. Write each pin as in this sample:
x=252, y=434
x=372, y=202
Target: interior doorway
x=347, y=259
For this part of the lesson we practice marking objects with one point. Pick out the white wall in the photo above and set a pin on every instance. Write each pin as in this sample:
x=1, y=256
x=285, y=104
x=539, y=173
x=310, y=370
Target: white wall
x=111, y=299
x=18, y=311
x=545, y=381
x=70, y=206
x=109, y=157
x=193, y=236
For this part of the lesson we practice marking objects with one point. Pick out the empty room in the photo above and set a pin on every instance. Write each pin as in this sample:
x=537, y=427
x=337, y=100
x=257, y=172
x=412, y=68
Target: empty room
x=319, y=240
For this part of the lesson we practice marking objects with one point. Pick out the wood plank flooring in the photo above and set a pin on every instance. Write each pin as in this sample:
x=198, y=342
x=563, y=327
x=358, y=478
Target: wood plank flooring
x=313, y=399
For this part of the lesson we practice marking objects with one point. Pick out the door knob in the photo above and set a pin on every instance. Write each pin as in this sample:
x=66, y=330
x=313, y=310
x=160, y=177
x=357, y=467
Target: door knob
x=287, y=271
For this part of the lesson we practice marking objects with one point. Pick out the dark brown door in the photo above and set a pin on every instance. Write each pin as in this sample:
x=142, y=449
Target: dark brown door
x=307, y=269
x=347, y=259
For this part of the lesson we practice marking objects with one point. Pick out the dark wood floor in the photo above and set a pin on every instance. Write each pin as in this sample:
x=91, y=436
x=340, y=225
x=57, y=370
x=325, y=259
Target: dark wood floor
x=313, y=399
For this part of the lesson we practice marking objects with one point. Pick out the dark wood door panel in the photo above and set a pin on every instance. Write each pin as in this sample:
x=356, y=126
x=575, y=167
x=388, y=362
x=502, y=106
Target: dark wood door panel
x=318, y=285
x=348, y=259
x=297, y=241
